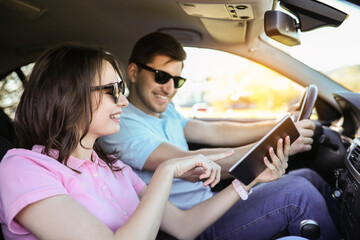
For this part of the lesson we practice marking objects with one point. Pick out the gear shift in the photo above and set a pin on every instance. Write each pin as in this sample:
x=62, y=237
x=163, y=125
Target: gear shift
x=310, y=229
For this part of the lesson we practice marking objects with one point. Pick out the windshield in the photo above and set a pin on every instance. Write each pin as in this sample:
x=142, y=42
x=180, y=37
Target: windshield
x=332, y=51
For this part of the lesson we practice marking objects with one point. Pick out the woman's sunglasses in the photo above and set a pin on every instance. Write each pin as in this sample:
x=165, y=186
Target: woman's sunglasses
x=116, y=88
x=162, y=77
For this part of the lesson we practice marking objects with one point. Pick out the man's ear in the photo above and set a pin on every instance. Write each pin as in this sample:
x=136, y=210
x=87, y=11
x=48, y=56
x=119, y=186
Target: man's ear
x=132, y=72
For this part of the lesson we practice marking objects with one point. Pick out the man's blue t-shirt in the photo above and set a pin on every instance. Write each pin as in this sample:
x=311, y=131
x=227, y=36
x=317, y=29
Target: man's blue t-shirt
x=140, y=134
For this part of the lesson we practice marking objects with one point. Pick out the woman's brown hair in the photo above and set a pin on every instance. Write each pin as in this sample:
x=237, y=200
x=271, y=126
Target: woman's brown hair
x=56, y=103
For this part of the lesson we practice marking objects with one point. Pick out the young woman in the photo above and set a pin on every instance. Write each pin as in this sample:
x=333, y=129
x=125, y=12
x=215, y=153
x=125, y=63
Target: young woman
x=61, y=185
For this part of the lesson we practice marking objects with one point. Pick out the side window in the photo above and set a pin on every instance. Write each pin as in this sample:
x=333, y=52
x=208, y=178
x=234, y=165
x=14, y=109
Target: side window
x=11, y=88
x=222, y=85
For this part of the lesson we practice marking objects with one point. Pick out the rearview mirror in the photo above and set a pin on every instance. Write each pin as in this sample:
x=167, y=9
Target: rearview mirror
x=311, y=14
x=281, y=27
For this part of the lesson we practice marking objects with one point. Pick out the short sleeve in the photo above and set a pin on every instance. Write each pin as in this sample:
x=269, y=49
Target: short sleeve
x=22, y=182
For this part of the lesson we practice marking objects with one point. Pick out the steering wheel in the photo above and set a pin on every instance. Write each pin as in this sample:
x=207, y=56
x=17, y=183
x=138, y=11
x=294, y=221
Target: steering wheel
x=308, y=102
x=306, y=106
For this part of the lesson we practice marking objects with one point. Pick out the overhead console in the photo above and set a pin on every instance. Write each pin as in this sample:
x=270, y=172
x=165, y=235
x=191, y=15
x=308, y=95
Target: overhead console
x=219, y=11
x=231, y=18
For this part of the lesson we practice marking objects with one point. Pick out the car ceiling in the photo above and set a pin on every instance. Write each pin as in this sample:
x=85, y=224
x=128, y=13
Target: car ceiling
x=27, y=27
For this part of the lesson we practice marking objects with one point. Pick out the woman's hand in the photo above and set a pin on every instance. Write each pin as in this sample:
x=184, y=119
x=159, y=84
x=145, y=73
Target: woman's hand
x=211, y=170
x=279, y=163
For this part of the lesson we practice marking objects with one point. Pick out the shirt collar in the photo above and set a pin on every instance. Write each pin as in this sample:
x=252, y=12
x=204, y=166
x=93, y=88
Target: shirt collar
x=73, y=162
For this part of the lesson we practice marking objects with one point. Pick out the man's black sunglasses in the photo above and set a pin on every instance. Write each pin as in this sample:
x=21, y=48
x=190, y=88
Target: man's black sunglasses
x=116, y=88
x=162, y=77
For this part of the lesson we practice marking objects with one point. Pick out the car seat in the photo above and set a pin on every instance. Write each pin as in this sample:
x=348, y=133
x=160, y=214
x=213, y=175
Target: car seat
x=5, y=145
x=7, y=139
x=6, y=126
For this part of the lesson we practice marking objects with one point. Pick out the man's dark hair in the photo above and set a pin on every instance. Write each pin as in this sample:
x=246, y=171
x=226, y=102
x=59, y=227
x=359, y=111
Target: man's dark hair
x=157, y=43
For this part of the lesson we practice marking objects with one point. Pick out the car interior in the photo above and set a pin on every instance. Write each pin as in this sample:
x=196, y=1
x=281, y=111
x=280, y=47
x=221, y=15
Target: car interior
x=241, y=28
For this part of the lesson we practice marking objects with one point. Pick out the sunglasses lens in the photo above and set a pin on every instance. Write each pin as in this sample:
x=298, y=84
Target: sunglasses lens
x=118, y=89
x=179, y=81
x=121, y=87
x=162, y=77
x=116, y=92
x=115, y=89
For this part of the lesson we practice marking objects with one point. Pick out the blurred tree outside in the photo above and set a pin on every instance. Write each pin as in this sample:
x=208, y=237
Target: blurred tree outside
x=10, y=92
x=348, y=77
x=11, y=89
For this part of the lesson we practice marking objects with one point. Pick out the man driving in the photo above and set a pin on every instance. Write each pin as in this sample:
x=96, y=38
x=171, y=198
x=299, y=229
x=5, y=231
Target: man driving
x=152, y=131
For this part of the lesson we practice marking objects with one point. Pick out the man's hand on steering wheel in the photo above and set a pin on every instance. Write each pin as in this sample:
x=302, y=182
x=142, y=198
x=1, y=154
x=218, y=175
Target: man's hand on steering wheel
x=306, y=129
x=305, y=126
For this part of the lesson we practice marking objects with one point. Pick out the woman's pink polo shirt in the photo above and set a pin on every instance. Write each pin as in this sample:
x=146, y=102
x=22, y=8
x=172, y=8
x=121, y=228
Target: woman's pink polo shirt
x=27, y=176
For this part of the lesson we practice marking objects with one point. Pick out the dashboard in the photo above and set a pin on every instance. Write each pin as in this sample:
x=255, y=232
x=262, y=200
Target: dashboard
x=348, y=177
x=349, y=104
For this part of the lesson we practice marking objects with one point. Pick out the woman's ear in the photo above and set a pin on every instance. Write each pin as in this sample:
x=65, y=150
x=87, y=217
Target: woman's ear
x=132, y=72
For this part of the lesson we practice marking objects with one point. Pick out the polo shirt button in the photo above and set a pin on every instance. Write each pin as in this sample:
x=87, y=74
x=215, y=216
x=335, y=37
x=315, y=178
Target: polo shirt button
x=124, y=212
x=96, y=175
x=104, y=188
